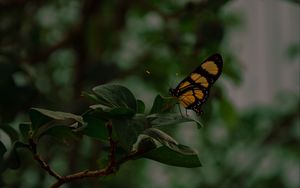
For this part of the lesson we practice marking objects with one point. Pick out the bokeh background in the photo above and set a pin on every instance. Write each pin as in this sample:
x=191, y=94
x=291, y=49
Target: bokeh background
x=51, y=51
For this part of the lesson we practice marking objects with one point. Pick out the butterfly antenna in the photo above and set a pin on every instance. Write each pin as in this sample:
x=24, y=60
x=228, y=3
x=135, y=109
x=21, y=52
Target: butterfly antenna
x=170, y=83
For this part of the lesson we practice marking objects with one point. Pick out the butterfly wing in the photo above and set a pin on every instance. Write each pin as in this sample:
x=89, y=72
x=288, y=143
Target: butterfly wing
x=193, y=91
x=204, y=75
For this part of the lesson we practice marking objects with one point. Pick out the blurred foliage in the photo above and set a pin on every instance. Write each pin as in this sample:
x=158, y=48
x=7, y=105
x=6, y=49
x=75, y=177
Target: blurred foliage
x=293, y=51
x=294, y=1
x=51, y=51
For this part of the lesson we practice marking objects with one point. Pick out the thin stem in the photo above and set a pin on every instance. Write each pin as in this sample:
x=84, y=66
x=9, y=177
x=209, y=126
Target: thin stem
x=80, y=175
x=112, y=155
x=42, y=163
x=111, y=167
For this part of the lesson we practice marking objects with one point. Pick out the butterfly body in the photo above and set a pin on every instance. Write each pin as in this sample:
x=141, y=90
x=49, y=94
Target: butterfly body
x=193, y=91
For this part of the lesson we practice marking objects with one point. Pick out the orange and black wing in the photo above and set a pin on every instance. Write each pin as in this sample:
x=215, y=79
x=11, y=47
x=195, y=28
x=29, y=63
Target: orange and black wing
x=193, y=91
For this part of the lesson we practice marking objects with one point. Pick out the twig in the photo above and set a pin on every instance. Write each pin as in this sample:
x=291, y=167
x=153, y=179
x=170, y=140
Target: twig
x=111, y=168
x=42, y=163
x=112, y=155
x=80, y=175
x=45, y=166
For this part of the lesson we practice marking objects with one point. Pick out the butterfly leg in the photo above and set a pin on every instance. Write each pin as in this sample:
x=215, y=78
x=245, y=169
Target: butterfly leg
x=186, y=113
x=179, y=109
x=200, y=112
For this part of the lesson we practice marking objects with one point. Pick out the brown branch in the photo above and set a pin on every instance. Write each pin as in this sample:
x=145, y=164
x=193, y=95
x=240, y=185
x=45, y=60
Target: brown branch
x=111, y=168
x=83, y=174
x=80, y=175
x=42, y=163
x=45, y=166
x=112, y=155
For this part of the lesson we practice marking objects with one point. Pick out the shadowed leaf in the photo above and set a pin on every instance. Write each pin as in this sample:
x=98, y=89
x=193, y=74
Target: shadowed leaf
x=157, y=120
x=162, y=105
x=115, y=96
x=186, y=158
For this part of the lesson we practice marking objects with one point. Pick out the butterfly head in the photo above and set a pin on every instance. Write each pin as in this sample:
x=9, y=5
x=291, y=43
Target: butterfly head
x=173, y=92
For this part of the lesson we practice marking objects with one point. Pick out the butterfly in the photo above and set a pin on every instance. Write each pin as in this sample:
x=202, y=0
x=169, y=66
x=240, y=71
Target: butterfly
x=193, y=91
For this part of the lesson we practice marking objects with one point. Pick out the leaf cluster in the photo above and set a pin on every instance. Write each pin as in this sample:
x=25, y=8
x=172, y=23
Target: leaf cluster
x=135, y=132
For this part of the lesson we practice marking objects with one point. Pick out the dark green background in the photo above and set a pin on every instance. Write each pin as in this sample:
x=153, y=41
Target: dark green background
x=51, y=51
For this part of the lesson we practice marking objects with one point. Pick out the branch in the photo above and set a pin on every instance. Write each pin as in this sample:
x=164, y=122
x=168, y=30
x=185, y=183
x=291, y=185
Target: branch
x=112, y=155
x=80, y=175
x=42, y=163
x=111, y=168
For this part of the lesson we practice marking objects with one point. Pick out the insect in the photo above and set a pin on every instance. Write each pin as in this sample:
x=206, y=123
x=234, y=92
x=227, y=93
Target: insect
x=193, y=91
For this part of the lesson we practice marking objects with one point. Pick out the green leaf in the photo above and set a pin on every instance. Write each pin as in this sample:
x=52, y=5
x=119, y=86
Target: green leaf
x=58, y=115
x=115, y=96
x=59, y=132
x=13, y=159
x=140, y=106
x=121, y=113
x=170, y=152
x=51, y=119
x=115, y=112
x=157, y=120
x=91, y=96
x=186, y=158
x=127, y=131
x=24, y=129
x=40, y=117
x=11, y=132
x=144, y=144
x=95, y=126
x=166, y=140
x=37, y=119
x=161, y=137
x=2, y=150
x=162, y=105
